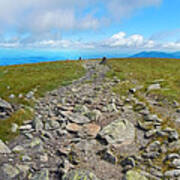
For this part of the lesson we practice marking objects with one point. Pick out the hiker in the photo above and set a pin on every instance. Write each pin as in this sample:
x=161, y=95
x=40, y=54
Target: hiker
x=80, y=58
x=103, y=61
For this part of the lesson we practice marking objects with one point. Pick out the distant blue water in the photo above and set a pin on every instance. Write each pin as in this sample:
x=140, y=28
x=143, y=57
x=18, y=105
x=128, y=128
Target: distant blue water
x=23, y=56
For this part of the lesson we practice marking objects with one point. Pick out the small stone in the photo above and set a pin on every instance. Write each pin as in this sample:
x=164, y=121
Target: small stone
x=14, y=128
x=42, y=175
x=12, y=96
x=150, y=133
x=78, y=118
x=44, y=158
x=79, y=174
x=26, y=158
x=108, y=156
x=35, y=142
x=176, y=163
x=173, y=135
x=134, y=175
x=24, y=169
x=30, y=95
x=37, y=124
x=3, y=148
x=172, y=173
x=25, y=127
x=18, y=149
x=172, y=156
x=154, y=87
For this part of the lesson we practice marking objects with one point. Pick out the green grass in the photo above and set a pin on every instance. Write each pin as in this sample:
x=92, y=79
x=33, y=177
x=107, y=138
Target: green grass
x=24, y=78
x=145, y=72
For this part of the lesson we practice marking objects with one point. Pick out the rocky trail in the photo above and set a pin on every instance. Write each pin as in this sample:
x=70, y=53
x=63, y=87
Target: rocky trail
x=84, y=131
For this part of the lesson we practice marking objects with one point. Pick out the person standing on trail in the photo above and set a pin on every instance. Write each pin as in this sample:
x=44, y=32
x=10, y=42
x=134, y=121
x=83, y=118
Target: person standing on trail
x=103, y=61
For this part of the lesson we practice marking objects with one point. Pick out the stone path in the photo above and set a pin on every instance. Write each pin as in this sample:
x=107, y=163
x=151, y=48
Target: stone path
x=85, y=131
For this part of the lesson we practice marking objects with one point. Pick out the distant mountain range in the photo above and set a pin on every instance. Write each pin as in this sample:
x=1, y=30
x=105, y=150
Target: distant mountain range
x=156, y=54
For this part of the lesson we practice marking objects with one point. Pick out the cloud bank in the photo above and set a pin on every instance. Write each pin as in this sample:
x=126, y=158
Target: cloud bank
x=41, y=24
x=118, y=41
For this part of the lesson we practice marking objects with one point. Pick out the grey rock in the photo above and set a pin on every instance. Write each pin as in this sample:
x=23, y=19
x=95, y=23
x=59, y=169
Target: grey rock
x=24, y=169
x=30, y=95
x=26, y=158
x=12, y=96
x=14, y=128
x=38, y=124
x=172, y=156
x=79, y=175
x=78, y=118
x=42, y=175
x=134, y=175
x=5, y=107
x=176, y=163
x=118, y=132
x=25, y=127
x=18, y=149
x=154, y=87
x=3, y=148
x=9, y=171
x=108, y=156
x=150, y=133
x=152, y=117
x=172, y=173
x=173, y=135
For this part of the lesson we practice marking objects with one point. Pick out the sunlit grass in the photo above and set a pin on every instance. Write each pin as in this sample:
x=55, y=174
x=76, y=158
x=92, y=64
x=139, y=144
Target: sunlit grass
x=20, y=79
x=145, y=72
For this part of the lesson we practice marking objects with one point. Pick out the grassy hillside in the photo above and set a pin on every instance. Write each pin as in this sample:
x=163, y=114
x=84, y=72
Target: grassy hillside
x=41, y=77
x=143, y=71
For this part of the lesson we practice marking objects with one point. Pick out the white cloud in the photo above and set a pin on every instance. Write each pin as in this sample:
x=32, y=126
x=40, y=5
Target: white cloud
x=134, y=41
x=118, y=41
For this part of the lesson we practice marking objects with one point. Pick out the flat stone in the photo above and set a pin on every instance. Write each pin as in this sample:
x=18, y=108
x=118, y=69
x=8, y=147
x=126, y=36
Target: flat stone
x=154, y=87
x=79, y=174
x=25, y=127
x=78, y=118
x=92, y=129
x=72, y=127
x=3, y=148
x=118, y=132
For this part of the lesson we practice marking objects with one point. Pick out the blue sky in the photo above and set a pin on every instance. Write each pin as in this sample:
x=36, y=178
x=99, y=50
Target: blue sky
x=90, y=26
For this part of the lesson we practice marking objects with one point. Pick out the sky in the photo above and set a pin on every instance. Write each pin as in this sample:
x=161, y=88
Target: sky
x=93, y=26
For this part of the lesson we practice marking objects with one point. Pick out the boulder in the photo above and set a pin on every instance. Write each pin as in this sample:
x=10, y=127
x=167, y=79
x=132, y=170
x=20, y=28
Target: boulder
x=120, y=131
